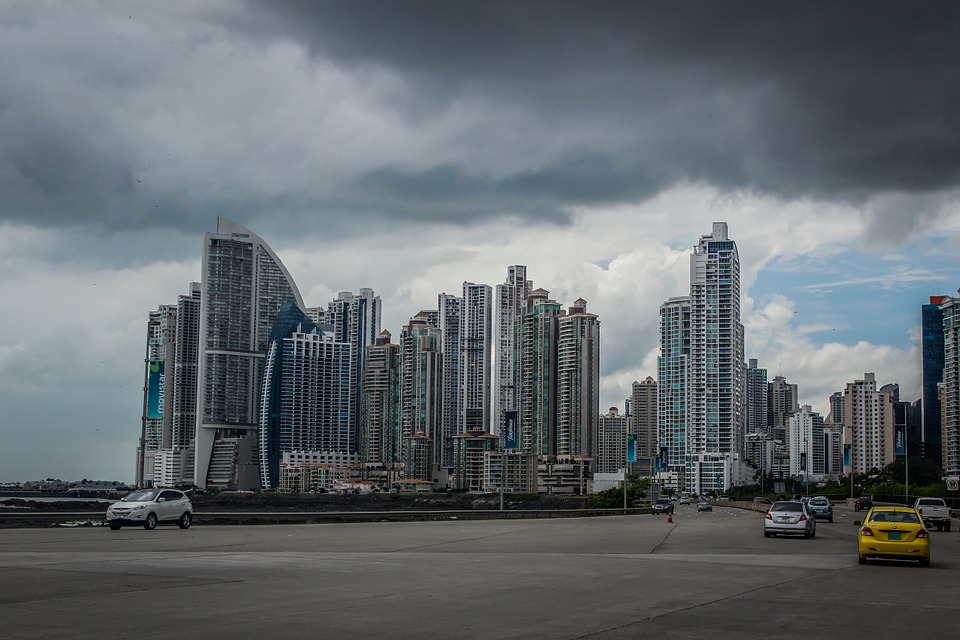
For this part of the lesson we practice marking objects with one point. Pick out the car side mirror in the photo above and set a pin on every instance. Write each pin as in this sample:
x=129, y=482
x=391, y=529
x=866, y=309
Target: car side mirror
x=857, y=523
x=161, y=499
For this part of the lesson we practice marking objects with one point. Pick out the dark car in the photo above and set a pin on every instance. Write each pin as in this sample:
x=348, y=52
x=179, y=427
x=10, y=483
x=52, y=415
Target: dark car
x=863, y=503
x=663, y=505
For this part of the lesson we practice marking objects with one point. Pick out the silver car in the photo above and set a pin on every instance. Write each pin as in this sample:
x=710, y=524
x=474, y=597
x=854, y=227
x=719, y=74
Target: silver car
x=789, y=517
x=150, y=507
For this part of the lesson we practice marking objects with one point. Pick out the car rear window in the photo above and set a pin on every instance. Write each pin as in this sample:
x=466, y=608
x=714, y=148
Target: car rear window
x=787, y=506
x=931, y=502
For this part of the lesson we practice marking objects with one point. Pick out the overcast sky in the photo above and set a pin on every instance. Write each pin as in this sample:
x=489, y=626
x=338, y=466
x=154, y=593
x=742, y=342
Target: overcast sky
x=409, y=146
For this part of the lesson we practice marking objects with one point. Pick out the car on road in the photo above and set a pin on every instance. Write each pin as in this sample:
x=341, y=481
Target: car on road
x=893, y=533
x=761, y=500
x=150, y=507
x=704, y=505
x=684, y=500
x=791, y=518
x=934, y=512
x=821, y=508
x=662, y=505
x=863, y=503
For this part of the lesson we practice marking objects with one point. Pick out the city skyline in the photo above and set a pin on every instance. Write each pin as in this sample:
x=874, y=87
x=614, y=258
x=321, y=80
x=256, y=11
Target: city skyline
x=414, y=158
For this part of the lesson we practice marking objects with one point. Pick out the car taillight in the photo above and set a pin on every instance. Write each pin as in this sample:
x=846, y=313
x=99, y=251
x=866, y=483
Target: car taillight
x=802, y=518
x=920, y=511
x=923, y=533
x=866, y=531
x=769, y=517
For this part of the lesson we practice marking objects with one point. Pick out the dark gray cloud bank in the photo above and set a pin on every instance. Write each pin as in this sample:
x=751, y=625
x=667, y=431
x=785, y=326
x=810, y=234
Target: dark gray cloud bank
x=601, y=103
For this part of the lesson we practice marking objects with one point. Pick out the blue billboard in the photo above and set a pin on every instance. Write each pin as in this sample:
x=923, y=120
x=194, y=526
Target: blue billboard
x=511, y=438
x=846, y=456
x=156, y=384
x=631, y=447
x=900, y=439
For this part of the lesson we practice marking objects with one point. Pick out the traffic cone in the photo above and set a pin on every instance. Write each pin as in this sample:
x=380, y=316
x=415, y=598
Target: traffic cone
x=669, y=518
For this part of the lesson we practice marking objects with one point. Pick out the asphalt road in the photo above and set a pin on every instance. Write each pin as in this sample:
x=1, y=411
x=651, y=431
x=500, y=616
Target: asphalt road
x=709, y=575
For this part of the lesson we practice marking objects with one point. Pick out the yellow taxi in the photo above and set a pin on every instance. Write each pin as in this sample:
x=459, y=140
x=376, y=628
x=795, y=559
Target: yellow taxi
x=893, y=533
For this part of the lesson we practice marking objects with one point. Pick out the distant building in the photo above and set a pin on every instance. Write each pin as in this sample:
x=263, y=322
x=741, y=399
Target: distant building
x=757, y=393
x=643, y=417
x=380, y=441
x=868, y=425
x=950, y=394
x=807, y=444
x=612, y=442
x=932, y=369
x=509, y=298
x=420, y=395
x=783, y=399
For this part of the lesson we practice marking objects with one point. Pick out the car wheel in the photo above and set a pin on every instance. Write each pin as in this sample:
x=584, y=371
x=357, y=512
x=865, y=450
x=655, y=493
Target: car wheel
x=813, y=534
x=862, y=560
x=830, y=519
x=767, y=534
x=184, y=521
x=925, y=563
x=947, y=527
x=115, y=526
x=150, y=522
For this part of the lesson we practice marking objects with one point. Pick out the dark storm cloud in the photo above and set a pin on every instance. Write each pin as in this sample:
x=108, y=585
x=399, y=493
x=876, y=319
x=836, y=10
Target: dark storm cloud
x=836, y=100
x=579, y=104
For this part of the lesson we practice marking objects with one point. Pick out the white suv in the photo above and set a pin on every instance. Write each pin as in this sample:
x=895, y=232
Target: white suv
x=150, y=507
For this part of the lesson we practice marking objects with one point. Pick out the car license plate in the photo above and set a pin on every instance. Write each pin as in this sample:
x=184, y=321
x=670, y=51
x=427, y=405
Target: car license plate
x=893, y=536
x=784, y=519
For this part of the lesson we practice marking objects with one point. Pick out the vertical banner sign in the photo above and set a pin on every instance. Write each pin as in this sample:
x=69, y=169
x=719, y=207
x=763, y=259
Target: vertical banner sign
x=803, y=462
x=631, y=447
x=664, y=457
x=846, y=456
x=155, y=389
x=900, y=438
x=511, y=439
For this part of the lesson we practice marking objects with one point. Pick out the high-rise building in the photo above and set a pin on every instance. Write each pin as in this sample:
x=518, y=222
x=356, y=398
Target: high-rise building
x=509, y=299
x=305, y=397
x=476, y=339
x=420, y=392
x=380, y=409
x=643, y=417
x=806, y=439
x=783, y=399
x=578, y=382
x=155, y=431
x=535, y=363
x=673, y=371
x=243, y=286
x=868, y=425
x=355, y=320
x=612, y=433
x=450, y=309
x=165, y=454
x=756, y=398
x=714, y=398
x=950, y=397
x=932, y=353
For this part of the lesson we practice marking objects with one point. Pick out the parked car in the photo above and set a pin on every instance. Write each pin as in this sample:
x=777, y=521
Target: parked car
x=893, y=533
x=704, y=505
x=934, y=512
x=663, y=505
x=863, y=503
x=761, y=500
x=821, y=508
x=150, y=507
x=789, y=517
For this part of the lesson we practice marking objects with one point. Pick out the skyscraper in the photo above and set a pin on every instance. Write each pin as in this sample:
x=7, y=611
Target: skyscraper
x=715, y=376
x=756, y=400
x=304, y=402
x=243, y=285
x=805, y=435
x=380, y=409
x=643, y=417
x=932, y=365
x=868, y=424
x=420, y=393
x=578, y=382
x=783, y=399
x=951, y=386
x=509, y=299
x=356, y=321
x=450, y=309
x=673, y=371
x=535, y=364
x=475, y=357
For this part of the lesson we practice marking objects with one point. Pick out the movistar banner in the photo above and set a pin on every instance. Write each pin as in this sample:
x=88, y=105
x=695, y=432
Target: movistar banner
x=631, y=447
x=664, y=458
x=156, y=384
x=511, y=438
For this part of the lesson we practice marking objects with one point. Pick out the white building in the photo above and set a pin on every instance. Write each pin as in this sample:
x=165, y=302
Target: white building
x=868, y=425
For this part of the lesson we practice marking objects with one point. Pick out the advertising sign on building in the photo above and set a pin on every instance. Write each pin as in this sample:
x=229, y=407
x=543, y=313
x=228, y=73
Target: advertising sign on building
x=900, y=439
x=846, y=456
x=511, y=439
x=155, y=389
x=631, y=447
